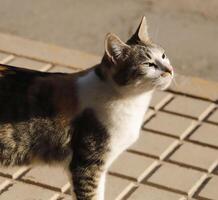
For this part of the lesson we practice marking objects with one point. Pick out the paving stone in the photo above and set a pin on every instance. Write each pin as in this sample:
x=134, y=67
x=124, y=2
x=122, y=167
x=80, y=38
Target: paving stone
x=188, y=106
x=206, y=134
x=154, y=144
x=7, y=59
x=53, y=177
x=196, y=87
x=181, y=180
x=214, y=117
x=177, y=178
x=197, y=156
x=149, y=113
x=59, y=68
x=22, y=191
x=145, y=192
x=210, y=191
x=159, y=99
x=67, y=197
x=171, y=124
x=116, y=187
x=133, y=166
x=47, y=52
x=4, y=182
x=189, y=198
x=3, y=57
x=62, y=196
x=28, y=63
x=13, y=172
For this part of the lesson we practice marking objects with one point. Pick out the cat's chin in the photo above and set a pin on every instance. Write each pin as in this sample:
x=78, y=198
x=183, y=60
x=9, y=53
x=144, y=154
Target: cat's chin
x=163, y=87
x=164, y=82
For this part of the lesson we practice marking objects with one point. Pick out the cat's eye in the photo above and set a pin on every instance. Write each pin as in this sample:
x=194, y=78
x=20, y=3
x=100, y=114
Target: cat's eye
x=153, y=65
x=163, y=56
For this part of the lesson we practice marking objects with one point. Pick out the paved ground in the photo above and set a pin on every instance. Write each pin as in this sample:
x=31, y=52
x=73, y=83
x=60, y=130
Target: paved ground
x=175, y=158
x=188, y=29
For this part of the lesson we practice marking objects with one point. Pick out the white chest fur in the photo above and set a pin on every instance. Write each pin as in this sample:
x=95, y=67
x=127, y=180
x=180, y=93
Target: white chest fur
x=121, y=116
x=126, y=119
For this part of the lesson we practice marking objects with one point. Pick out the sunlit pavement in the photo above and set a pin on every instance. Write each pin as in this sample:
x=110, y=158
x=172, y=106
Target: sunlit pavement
x=175, y=158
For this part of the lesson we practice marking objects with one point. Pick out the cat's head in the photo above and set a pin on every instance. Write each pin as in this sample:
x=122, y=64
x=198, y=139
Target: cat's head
x=139, y=63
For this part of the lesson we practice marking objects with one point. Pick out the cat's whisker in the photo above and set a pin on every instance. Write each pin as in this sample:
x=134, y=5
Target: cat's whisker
x=174, y=81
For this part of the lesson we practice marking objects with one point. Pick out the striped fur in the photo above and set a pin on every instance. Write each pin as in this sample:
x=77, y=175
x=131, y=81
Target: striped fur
x=83, y=121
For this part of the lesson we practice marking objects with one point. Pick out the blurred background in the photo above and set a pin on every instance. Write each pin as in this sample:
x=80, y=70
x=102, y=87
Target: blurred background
x=187, y=29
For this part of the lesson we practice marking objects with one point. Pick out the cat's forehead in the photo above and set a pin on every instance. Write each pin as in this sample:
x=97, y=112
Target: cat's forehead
x=156, y=49
x=145, y=51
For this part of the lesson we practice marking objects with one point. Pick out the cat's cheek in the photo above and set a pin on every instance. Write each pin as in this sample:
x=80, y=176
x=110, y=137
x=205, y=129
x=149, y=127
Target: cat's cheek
x=152, y=73
x=165, y=83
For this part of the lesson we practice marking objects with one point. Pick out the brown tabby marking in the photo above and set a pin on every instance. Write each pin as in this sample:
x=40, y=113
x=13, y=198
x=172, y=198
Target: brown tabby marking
x=83, y=122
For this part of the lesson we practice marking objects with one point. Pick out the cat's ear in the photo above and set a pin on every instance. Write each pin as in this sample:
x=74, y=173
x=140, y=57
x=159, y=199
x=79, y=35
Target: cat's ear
x=115, y=48
x=141, y=34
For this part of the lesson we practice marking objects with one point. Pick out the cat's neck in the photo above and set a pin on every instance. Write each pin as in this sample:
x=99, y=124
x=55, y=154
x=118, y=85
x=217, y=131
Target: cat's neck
x=93, y=90
x=96, y=78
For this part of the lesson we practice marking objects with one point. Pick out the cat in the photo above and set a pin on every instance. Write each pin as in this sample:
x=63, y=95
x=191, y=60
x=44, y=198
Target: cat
x=84, y=120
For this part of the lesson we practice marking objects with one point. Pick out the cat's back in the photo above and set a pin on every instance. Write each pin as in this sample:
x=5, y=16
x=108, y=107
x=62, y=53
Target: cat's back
x=36, y=110
x=26, y=94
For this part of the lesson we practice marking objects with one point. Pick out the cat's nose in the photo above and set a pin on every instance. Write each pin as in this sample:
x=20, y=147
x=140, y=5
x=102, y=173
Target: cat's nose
x=165, y=67
x=168, y=69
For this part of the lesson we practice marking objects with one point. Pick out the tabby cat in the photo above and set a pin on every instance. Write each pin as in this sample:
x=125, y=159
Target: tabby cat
x=83, y=121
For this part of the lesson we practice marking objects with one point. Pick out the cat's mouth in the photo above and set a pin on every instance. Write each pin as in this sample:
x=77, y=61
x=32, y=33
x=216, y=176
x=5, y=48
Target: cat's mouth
x=165, y=80
x=166, y=74
x=167, y=70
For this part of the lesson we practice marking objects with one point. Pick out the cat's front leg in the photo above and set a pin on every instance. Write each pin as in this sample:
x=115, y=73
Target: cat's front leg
x=88, y=183
x=101, y=186
x=90, y=150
